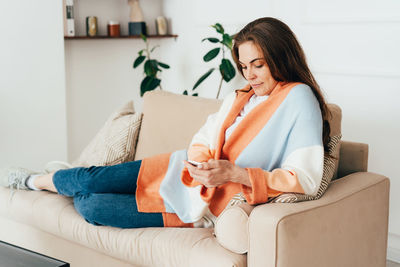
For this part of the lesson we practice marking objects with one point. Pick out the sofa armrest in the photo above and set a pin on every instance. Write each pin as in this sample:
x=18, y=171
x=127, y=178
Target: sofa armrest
x=346, y=227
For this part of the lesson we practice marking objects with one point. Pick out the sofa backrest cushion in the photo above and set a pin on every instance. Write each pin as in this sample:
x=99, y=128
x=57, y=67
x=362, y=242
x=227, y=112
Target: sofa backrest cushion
x=353, y=158
x=170, y=121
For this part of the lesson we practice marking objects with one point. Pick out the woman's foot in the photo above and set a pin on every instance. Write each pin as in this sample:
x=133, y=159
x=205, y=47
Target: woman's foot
x=15, y=178
x=23, y=179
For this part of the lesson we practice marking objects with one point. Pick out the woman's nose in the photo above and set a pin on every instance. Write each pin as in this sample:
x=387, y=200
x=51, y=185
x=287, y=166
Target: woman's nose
x=250, y=74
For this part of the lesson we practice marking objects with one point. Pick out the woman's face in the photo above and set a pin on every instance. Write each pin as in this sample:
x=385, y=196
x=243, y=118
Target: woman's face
x=255, y=68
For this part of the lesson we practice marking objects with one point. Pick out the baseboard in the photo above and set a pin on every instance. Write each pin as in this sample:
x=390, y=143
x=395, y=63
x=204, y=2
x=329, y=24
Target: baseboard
x=393, y=250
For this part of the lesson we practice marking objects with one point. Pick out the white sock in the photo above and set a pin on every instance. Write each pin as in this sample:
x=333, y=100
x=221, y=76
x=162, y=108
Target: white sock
x=30, y=182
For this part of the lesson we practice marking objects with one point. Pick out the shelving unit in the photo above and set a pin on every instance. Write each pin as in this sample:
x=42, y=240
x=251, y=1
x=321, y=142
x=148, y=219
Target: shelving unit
x=118, y=37
x=106, y=10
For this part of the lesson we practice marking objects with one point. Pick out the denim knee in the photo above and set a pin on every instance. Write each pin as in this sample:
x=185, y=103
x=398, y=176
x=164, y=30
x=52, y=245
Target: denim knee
x=86, y=208
x=71, y=182
x=86, y=179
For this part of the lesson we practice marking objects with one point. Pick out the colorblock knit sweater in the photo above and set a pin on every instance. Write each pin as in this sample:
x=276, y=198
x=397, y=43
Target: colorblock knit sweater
x=279, y=143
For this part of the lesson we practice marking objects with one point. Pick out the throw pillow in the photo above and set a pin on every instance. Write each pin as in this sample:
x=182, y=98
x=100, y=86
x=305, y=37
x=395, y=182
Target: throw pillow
x=116, y=141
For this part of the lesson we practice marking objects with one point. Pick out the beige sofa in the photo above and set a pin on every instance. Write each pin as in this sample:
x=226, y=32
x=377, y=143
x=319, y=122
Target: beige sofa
x=346, y=227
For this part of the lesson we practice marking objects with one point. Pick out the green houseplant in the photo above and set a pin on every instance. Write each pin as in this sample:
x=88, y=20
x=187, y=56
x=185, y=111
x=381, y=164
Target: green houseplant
x=151, y=68
x=226, y=68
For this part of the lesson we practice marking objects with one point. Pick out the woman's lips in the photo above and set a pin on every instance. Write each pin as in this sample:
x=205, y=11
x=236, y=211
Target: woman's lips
x=256, y=85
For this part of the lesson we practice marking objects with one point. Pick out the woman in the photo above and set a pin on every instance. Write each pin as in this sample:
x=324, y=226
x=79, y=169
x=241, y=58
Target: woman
x=266, y=139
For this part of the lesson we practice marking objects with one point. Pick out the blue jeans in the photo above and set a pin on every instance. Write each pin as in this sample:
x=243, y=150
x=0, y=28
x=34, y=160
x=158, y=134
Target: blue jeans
x=106, y=195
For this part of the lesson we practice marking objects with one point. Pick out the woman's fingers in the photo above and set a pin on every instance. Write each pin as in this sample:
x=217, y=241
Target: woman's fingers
x=212, y=173
x=195, y=171
x=203, y=176
x=210, y=164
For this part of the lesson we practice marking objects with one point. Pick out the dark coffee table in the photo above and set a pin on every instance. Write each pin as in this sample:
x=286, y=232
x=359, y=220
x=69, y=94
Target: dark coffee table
x=13, y=256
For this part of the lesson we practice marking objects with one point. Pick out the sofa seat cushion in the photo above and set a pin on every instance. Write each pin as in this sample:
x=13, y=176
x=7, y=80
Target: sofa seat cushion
x=143, y=246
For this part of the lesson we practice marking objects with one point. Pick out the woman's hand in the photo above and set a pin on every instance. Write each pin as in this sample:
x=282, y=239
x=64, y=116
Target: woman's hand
x=217, y=172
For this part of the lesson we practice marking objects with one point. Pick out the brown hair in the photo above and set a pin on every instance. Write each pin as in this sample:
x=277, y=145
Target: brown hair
x=285, y=59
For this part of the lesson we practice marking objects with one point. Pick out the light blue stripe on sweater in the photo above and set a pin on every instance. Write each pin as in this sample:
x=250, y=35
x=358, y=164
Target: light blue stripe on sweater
x=172, y=180
x=297, y=123
x=185, y=201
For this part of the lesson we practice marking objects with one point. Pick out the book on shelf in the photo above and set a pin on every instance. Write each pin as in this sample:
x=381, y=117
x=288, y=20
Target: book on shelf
x=68, y=10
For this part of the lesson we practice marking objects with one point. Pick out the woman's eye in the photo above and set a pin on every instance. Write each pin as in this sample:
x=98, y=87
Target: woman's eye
x=259, y=66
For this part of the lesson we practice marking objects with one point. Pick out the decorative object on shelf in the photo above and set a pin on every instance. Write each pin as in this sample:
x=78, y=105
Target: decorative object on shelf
x=161, y=25
x=226, y=68
x=137, y=26
x=69, y=24
x=151, y=69
x=113, y=29
x=91, y=26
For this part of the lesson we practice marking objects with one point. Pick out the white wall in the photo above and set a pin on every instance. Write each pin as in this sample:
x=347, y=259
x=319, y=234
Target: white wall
x=100, y=77
x=352, y=48
x=32, y=84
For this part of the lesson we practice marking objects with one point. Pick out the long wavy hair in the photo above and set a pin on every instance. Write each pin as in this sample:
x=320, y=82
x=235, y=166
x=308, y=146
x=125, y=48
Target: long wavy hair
x=285, y=58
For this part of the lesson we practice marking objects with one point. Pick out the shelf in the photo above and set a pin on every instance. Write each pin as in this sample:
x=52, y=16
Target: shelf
x=119, y=37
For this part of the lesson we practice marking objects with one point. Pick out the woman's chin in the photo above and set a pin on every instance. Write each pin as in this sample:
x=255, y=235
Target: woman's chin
x=260, y=91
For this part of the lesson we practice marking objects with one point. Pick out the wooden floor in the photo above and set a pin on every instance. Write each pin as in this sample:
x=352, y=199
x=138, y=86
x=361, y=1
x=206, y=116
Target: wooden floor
x=392, y=264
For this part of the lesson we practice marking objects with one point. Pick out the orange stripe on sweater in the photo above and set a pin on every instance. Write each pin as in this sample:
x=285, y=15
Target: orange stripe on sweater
x=284, y=181
x=152, y=172
x=260, y=195
x=172, y=220
x=223, y=194
x=269, y=184
x=253, y=123
x=241, y=100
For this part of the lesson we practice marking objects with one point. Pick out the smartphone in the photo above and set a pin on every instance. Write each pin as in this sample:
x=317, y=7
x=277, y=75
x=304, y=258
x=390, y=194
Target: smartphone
x=194, y=163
